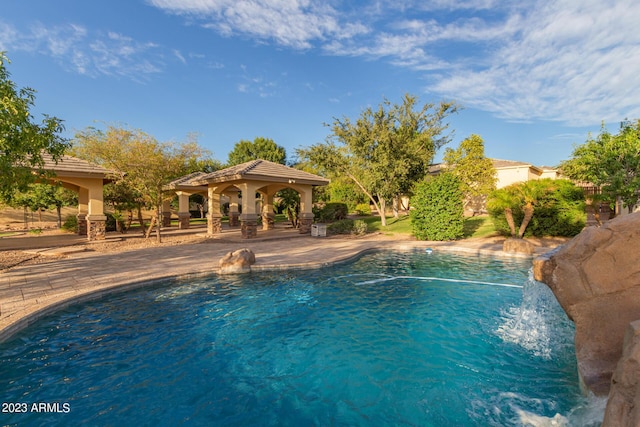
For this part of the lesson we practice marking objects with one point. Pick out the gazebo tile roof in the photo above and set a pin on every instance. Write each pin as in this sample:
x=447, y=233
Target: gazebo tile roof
x=73, y=165
x=261, y=170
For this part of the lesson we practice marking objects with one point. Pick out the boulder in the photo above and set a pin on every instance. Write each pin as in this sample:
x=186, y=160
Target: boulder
x=596, y=279
x=518, y=246
x=623, y=405
x=237, y=261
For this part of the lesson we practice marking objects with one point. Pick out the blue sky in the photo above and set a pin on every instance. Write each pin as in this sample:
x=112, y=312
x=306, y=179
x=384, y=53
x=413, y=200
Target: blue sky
x=534, y=77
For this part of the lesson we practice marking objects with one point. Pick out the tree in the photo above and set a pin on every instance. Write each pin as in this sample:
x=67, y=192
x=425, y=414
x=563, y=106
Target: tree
x=475, y=171
x=39, y=197
x=541, y=207
x=385, y=151
x=610, y=161
x=22, y=142
x=143, y=164
x=261, y=148
x=437, y=212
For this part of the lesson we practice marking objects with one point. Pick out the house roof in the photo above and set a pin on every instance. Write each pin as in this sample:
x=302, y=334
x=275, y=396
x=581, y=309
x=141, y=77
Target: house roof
x=503, y=164
x=68, y=166
x=185, y=181
x=261, y=170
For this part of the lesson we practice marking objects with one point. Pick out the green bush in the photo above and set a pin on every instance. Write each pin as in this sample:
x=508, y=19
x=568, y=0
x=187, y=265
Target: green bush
x=70, y=223
x=348, y=226
x=363, y=209
x=438, y=212
x=558, y=207
x=331, y=212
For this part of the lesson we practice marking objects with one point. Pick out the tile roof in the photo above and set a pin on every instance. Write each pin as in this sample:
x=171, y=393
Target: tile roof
x=262, y=170
x=72, y=166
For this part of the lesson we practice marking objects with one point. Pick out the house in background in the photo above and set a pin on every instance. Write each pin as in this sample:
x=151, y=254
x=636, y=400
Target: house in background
x=509, y=172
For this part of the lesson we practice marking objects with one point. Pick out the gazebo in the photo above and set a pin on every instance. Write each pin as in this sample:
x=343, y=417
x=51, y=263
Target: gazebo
x=248, y=179
x=87, y=180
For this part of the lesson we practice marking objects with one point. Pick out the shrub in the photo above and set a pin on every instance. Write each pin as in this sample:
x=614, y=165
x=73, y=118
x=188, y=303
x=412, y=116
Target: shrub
x=558, y=209
x=438, y=212
x=363, y=209
x=331, y=212
x=70, y=223
x=348, y=226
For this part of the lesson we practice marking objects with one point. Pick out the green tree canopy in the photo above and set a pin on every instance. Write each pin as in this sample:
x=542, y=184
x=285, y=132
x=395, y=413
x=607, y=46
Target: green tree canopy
x=475, y=171
x=143, y=164
x=610, y=161
x=386, y=150
x=22, y=141
x=543, y=207
x=260, y=148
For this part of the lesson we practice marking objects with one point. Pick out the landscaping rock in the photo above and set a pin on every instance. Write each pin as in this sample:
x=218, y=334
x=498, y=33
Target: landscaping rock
x=623, y=405
x=596, y=279
x=237, y=262
x=519, y=246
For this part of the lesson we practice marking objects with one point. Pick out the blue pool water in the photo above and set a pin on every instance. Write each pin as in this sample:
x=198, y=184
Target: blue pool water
x=410, y=339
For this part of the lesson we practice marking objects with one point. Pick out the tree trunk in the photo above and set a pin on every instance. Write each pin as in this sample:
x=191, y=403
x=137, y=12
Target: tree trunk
x=509, y=216
x=140, y=219
x=382, y=211
x=148, y=232
x=528, y=214
x=396, y=207
x=158, y=224
x=59, y=210
x=375, y=204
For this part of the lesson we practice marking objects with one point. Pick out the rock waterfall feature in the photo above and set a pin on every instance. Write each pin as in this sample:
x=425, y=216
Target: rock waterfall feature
x=596, y=279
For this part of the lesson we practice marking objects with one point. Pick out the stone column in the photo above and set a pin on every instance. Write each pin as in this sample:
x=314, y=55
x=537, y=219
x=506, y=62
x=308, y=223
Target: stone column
x=166, y=213
x=306, y=213
x=268, y=216
x=214, y=222
x=83, y=208
x=305, y=222
x=96, y=219
x=234, y=215
x=82, y=223
x=183, y=210
x=249, y=226
x=96, y=227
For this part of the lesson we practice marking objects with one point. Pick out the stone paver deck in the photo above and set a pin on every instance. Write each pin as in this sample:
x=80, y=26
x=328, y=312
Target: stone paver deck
x=31, y=291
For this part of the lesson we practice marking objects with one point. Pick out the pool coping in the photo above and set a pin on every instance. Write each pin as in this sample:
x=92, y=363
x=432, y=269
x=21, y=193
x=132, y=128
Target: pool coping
x=43, y=295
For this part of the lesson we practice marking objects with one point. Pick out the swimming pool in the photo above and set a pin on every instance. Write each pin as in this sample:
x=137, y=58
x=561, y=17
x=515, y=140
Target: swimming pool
x=391, y=339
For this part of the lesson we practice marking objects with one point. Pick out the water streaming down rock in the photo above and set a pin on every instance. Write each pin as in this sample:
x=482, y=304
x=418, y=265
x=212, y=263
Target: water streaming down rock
x=540, y=326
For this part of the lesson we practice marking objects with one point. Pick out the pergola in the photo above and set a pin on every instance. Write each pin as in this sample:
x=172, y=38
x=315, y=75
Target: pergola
x=255, y=177
x=87, y=180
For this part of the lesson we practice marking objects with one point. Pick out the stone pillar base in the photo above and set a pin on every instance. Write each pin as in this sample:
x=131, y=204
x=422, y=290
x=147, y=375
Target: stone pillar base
x=96, y=227
x=249, y=226
x=268, y=221
x=305, y=222
x=82, y=224
x=183, y=220
x=234, y=219
x=166, y=219
x=214, y=224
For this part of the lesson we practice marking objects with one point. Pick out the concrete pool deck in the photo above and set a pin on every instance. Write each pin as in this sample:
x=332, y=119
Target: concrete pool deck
x=29, y=292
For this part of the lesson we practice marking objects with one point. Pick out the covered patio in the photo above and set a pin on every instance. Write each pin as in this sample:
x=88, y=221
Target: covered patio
x=88, y=181
x=240, y=184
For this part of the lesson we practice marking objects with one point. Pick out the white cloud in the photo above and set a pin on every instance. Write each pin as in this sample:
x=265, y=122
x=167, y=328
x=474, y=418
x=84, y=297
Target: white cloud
x=575, y=62
x=291, y=23
x=87, y=53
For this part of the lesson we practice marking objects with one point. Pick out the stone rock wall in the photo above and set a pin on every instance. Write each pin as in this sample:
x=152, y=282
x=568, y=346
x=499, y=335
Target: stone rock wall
x=596, y=279
x=623, y=405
